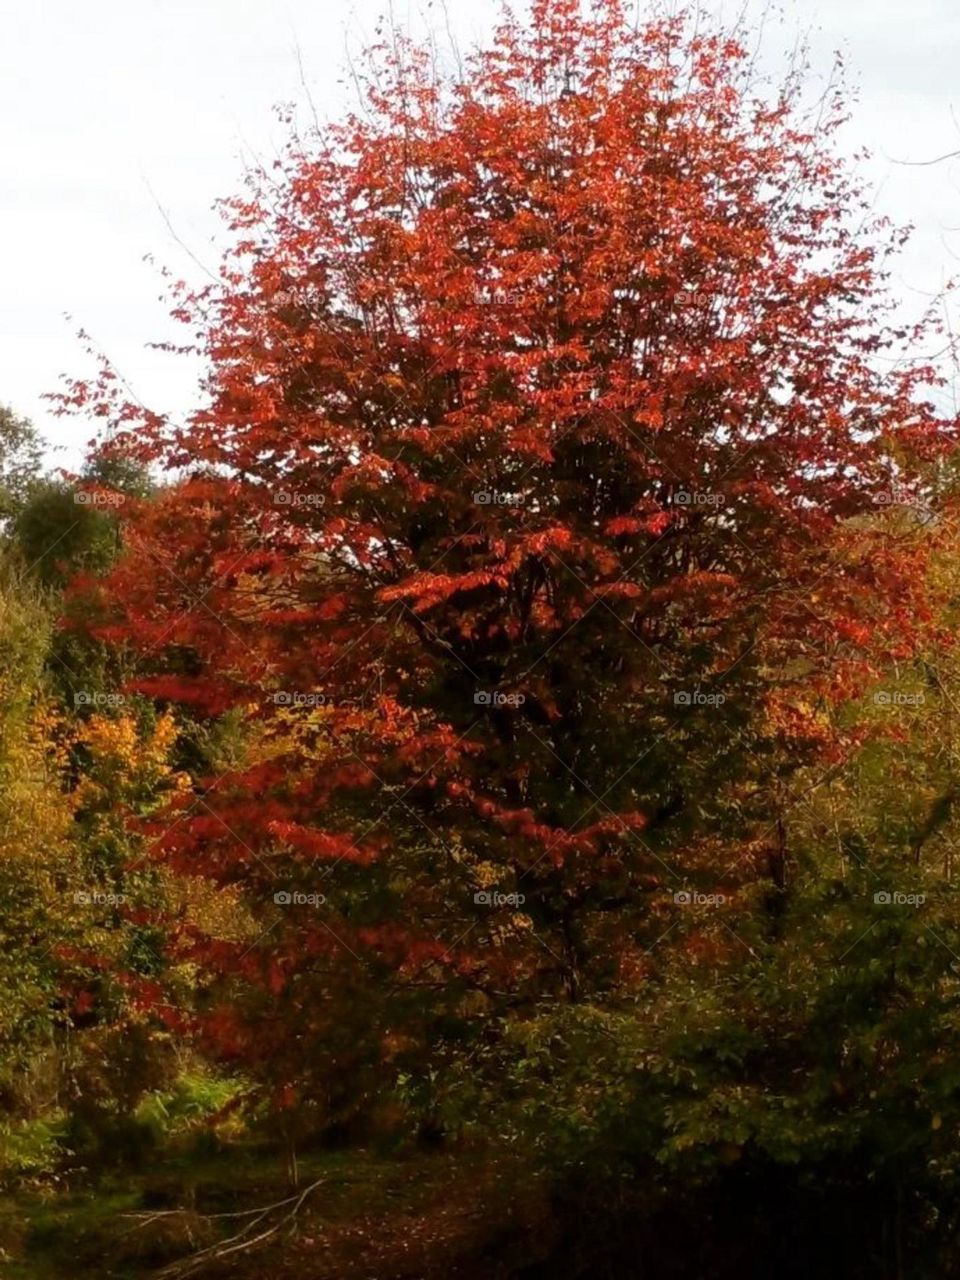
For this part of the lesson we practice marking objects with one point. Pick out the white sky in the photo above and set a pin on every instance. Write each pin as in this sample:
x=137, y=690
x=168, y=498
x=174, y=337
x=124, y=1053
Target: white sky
x=108, y=106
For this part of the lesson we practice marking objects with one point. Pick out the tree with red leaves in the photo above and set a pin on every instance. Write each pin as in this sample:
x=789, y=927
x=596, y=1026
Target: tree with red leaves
x=519, y=528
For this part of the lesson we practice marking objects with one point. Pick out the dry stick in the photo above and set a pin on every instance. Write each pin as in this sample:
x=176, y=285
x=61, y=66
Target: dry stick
x=237, y=1242
x=922, y=164
x=244, y=1213
x=213, y=1251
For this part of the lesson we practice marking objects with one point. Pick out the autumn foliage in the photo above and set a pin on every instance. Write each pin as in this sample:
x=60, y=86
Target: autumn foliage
x=536, y=521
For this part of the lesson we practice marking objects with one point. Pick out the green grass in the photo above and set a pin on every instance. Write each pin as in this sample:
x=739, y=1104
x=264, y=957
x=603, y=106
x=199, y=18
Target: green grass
x=370, y=1212
x=64, y=1235
x=30, y=1147
x=194, y=1097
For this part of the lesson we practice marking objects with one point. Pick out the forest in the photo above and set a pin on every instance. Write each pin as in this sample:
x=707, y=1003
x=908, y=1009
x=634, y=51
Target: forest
x=477, y=797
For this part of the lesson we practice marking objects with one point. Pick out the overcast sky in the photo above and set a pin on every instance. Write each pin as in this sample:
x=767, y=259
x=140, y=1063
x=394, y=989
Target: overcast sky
x=111, y=108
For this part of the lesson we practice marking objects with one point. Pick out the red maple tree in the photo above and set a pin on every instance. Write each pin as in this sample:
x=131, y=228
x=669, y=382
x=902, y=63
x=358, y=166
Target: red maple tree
x=519, y=523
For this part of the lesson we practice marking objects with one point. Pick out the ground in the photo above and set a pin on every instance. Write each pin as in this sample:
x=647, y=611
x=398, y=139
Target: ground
x=464, y=1215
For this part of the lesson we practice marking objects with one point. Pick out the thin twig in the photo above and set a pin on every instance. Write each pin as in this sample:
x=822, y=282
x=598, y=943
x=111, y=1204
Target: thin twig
x=237, y=1243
